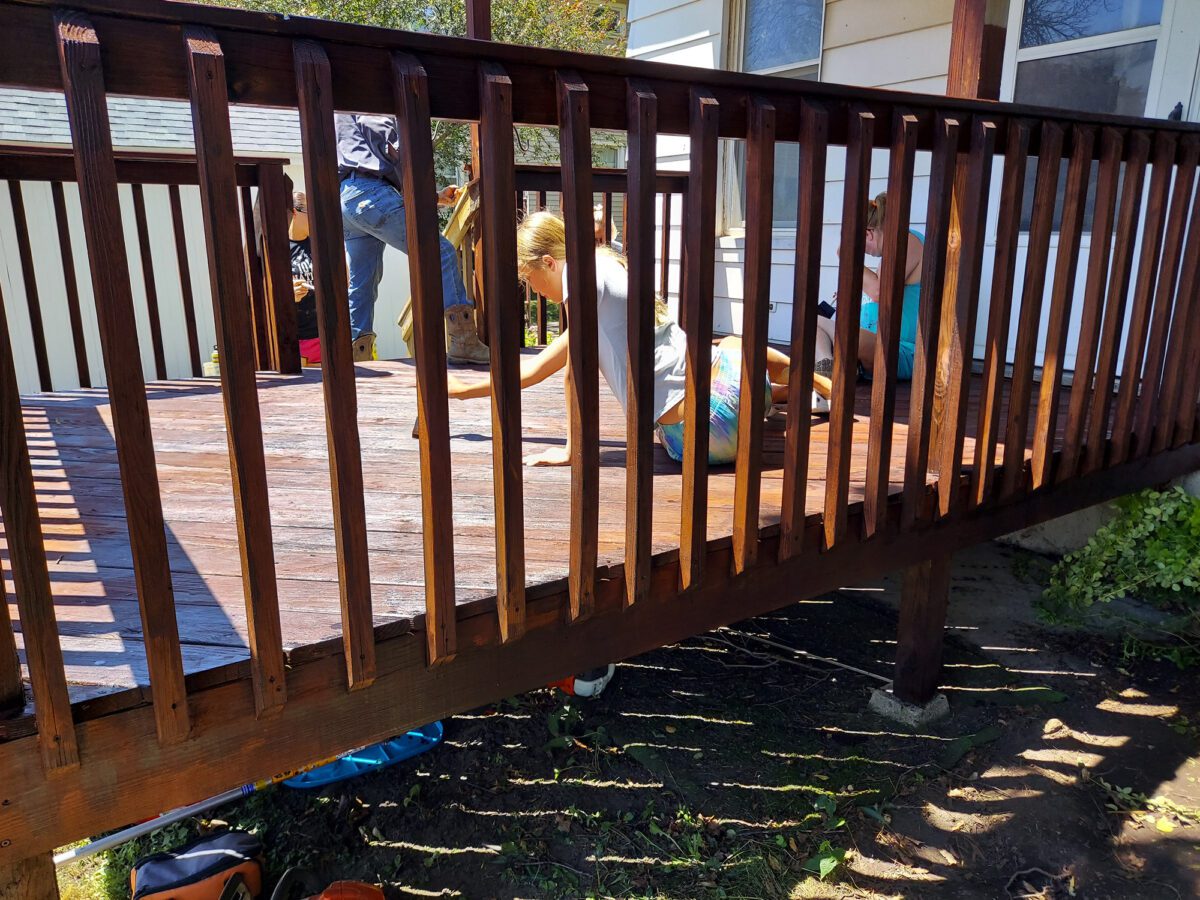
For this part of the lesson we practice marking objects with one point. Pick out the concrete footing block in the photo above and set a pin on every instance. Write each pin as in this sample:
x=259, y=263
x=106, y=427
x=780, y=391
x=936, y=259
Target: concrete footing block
x=886, y=704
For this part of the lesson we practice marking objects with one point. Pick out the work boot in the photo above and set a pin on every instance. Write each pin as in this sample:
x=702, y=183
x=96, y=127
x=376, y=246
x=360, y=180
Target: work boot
x=462, y=340
x=364, y=347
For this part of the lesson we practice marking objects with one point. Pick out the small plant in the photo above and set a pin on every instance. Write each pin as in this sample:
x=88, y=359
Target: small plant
x=1150, y=551
x=826, y=860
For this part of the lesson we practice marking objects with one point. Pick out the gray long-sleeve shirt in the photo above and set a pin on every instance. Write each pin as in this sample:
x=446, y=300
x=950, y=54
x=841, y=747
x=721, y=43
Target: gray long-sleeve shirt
x=368, y=144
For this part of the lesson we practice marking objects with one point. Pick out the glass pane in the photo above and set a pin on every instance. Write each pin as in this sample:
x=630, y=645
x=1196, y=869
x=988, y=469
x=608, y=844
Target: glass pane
x=1052, y=21
x=1114, y=80
x=787, y=183
x=781, y=32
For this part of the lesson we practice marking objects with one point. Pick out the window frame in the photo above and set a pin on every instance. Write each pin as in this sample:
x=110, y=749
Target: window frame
x=730, y=221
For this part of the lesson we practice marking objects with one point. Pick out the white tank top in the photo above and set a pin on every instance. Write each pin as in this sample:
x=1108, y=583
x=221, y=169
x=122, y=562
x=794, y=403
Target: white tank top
x=670, y=343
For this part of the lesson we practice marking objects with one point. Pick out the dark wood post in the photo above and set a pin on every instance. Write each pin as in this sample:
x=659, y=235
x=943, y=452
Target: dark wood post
x=12, y=693
x=29, y=879
x=923, y=602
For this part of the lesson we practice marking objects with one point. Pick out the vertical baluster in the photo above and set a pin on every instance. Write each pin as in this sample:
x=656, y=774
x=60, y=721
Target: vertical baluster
x=1112, y=145
x=500, y=281
x=411, y=88
x=639, y=414
x=697, y=314
x=607, y=213
x=1118, y=294
x=253, y=276
x=583, y=398
x=1181, y=348
x=185, y=280
x=664, y=275
x=1004, y=276
x=231, y=312
x=95, y=169
x=760, y=178
x=933, y=283
x=1143, y=296
x=30, y=577
x=274, y=200
x=315, y=95
x=860, y=139
x=70, y=284
x=1037, y=255
x=29, y=277
x=810, y=214
x=147, y=259
x=975, y=187
x=1062, y=292
x=887, y=342
x=1156, y=346
x=1189, y=382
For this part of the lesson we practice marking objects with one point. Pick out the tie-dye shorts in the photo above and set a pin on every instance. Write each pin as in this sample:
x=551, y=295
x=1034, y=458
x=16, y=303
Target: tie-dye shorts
x=722, y=410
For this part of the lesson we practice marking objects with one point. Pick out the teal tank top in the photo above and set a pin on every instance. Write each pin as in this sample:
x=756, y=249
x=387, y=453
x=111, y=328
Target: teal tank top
x=869, y=316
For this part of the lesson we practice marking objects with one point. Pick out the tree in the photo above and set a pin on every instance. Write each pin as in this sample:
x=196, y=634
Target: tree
x=588, y=26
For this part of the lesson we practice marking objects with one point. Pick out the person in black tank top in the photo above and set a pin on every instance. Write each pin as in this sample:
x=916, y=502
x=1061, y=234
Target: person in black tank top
x=302, y=281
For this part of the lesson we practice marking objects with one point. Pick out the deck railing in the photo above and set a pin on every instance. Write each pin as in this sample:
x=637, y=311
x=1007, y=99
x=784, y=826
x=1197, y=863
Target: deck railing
x=272, y=315
x=1102, y=439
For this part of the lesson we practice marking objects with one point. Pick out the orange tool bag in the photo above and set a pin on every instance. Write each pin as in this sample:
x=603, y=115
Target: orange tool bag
x=200, y=870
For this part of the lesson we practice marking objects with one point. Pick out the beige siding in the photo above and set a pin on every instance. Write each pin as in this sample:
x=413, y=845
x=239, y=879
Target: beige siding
x=850, y=22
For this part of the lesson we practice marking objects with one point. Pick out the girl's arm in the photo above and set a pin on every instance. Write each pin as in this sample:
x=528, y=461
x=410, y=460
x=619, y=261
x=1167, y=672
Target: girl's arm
x=533, y=370
x=871, y=283
x=916, y=252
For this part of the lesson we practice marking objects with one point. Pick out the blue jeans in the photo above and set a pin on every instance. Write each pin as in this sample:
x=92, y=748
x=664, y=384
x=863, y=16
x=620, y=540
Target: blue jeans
x=372, y=216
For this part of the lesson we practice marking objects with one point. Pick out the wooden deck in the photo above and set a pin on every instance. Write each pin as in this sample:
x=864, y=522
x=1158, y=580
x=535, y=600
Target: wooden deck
x=91, y=568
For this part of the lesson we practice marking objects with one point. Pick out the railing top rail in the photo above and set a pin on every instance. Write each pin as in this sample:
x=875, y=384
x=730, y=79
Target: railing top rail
x=258, y=53
x=24, y=163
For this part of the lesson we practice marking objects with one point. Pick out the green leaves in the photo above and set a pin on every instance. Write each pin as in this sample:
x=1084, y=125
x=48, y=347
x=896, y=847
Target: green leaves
x=826, y=860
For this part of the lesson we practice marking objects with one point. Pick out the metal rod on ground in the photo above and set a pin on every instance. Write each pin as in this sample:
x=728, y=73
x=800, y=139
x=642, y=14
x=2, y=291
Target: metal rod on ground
x=134, y=831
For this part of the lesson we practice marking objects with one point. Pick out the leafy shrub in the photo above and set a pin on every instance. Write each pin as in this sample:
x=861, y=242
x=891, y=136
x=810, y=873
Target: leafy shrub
x=1149, y=552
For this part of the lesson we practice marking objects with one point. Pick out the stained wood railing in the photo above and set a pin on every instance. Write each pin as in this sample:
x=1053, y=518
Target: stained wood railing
x=265, y=269
x=1098, y=440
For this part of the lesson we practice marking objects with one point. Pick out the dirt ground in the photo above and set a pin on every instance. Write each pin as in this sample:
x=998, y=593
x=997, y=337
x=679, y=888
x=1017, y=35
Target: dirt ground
x=736, y=766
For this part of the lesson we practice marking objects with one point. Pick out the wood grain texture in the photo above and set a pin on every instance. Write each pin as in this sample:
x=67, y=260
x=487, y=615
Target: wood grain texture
x=33, y=303
x=274, y=201
x=810, y=214
x=1136, y=330
x=756, y=308
x=1112, y=144
x=411, y=86
x=1062, y=293
x=929, y=317
x=30, y=580
x=315, y=96
x=1033, y=287
x=971, y=192
x=1119, y=276
x=1165, y=299
x=892, y=272
x=29, y=879
x=664, y=259
x=148, y=284
x=583, y=374
x=1004, y=277
x=185, y=280
x=845, y=344
x=699, y=226
x=500, y=287
x=639, y=405
x=87, y=113
x=231, y=313
x=70, y=284
x=924, y=598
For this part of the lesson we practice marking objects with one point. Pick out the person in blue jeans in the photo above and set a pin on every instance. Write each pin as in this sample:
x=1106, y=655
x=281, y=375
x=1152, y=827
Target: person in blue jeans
x=373, y=216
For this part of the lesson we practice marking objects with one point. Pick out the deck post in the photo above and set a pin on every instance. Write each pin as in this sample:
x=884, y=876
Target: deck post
x=29, y=879
x=923, y=601
x=976, y=57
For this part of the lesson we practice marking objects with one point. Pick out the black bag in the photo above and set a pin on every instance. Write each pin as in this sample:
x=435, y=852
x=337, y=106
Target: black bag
x=200, y=870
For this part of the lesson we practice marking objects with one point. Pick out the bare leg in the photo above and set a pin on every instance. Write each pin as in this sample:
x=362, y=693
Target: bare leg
x=866, y=349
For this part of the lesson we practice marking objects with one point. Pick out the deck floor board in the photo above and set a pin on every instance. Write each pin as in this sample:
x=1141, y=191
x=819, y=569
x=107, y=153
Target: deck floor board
x=79, y=497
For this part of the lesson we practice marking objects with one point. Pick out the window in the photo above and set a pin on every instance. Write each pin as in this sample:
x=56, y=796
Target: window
x=1086, y=55
x=782, y=38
